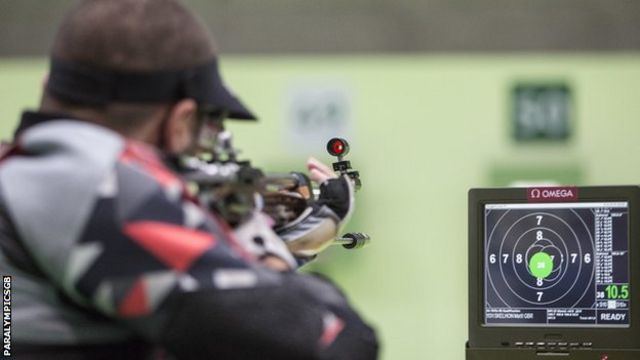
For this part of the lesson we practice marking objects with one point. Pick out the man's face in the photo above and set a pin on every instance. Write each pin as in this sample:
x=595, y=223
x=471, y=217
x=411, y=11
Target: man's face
x=207, y=131
x=184, y=129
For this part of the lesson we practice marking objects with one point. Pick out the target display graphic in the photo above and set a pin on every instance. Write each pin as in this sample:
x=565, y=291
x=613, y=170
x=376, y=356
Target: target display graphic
x=562, y=264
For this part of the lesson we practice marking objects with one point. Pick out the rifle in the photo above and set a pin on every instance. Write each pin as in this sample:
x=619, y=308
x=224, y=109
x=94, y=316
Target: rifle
x=234, y=188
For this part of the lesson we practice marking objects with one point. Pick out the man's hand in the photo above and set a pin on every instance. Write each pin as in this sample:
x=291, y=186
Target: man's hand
x=316, y=228
x=319, y=172
x=335, y=192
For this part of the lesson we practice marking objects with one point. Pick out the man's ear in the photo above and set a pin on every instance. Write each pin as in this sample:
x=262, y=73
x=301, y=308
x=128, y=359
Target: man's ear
x=179, y=129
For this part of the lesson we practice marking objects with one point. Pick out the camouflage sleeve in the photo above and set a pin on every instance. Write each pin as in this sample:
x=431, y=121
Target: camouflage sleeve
x=113, y=229
x=154, y=259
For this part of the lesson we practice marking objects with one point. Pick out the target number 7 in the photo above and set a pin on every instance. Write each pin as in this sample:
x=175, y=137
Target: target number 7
x=539, y=219
x=540, y=293
x=587, y=258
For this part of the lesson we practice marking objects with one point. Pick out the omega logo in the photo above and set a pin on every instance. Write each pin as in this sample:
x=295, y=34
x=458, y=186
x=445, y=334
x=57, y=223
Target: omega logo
x=552, y=193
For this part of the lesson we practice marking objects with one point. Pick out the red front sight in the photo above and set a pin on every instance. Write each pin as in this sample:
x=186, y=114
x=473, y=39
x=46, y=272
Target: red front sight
x=338, y=147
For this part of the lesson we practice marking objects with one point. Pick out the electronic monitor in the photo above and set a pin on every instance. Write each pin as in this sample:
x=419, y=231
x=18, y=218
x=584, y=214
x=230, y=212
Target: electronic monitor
x=551, y=273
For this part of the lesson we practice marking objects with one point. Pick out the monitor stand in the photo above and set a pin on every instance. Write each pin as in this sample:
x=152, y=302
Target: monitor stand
x=535, y=354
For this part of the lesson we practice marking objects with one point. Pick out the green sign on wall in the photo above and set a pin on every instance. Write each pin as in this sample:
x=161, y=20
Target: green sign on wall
x=541, y=112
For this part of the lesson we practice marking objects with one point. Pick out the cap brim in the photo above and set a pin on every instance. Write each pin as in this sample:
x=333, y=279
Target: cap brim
x=213, y=95
x=234, y=107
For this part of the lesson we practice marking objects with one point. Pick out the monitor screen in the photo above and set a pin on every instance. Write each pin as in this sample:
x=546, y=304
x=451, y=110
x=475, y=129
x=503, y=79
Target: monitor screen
x=556, y=264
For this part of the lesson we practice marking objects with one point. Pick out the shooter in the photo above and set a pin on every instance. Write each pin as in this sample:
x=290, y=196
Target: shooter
x=115, y=260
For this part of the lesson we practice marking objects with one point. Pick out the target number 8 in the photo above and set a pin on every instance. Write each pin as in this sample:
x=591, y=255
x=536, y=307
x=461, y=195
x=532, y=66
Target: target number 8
x=505, y=258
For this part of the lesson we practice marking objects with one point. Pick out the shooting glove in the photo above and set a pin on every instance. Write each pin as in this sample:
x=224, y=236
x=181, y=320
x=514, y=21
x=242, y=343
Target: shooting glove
x=314, y=230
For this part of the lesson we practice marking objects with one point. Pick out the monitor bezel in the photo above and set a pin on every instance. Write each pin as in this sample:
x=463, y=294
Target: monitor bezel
x=492, y=336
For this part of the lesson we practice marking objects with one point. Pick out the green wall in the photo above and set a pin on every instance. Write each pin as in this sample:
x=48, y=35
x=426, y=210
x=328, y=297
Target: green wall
x=426, y=129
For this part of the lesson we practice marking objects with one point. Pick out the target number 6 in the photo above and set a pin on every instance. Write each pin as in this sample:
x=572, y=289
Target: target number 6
x=587, y=258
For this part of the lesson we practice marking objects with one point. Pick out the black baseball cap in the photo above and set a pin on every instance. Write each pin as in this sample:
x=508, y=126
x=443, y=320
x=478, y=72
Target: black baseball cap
x=90, y=85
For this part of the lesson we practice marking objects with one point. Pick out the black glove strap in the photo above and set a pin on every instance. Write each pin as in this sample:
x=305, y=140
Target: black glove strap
x=334, y=193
